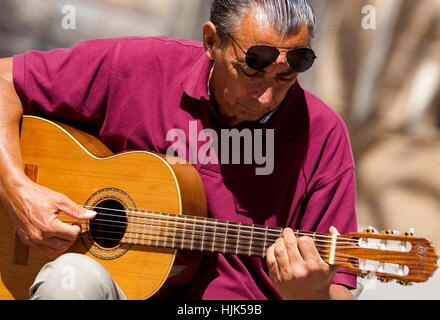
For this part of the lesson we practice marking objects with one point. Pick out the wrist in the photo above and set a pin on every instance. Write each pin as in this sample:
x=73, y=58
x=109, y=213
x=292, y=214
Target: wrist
x=339, y=292
x=13, y=181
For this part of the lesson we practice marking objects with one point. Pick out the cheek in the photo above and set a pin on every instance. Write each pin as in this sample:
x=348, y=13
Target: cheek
x=236, y=90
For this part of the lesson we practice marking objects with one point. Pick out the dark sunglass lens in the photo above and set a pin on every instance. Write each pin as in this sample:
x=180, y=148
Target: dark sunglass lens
x=301, y=60
x=260, y=57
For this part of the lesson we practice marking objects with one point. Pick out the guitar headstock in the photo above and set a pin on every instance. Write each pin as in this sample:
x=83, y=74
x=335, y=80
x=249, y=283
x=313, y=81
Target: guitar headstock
x=387, y=255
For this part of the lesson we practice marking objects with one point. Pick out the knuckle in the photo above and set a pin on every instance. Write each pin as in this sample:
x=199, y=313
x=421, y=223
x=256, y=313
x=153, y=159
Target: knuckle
x=314, y=267
x=290, y=242
x=301, y=274
x=35, y=236
x=278, y=249
x=305, y=240
x=46, y=229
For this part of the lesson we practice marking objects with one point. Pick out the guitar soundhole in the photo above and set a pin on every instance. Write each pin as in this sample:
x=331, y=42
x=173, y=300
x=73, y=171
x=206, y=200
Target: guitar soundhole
x=108, y=227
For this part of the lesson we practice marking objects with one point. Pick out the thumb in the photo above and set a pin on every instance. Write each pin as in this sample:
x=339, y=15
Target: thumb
x=76, y=211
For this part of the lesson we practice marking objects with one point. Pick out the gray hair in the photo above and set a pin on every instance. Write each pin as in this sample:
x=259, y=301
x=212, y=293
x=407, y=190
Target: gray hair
x=284, y=16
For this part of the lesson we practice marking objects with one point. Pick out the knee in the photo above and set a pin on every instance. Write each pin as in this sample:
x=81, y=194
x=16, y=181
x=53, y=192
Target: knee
x=71, y=276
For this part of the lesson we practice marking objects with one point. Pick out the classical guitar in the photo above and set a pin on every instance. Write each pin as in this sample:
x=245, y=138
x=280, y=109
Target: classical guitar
x=151, y=224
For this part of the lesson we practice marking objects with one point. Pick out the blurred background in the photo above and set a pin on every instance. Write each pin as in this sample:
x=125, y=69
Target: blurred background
x=378, y=66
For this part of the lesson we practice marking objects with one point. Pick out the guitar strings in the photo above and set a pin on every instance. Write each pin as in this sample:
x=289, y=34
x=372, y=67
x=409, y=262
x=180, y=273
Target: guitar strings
x=219, y=223
x=215, y=230
x=210, y=236
x=156, y=237
x=338, y=259
x=241, y=251
x=200, y=219
x=164, y=241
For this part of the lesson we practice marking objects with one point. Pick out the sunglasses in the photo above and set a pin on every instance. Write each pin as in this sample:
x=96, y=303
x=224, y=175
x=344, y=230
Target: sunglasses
x=259, y=57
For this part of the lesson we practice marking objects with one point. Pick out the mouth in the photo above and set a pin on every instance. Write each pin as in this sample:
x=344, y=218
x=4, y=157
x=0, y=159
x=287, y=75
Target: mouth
x=251, y=110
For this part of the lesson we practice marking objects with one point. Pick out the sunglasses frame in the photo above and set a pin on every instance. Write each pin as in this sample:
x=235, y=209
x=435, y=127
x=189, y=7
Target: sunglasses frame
x=289, y=50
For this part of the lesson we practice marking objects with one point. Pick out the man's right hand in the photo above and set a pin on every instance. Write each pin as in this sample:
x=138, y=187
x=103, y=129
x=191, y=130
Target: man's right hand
x=34, y=211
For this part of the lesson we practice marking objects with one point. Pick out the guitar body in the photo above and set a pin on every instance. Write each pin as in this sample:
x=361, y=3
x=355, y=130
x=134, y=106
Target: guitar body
x=78, y=165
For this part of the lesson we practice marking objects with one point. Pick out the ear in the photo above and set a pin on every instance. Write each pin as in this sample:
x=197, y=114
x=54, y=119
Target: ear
x=211, y=40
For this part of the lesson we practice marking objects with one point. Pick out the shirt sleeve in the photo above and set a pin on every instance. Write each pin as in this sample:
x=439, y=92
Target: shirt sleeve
x=72, y=84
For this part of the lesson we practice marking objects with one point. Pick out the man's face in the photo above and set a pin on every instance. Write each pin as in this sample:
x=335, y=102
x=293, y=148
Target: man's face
x=245, y=94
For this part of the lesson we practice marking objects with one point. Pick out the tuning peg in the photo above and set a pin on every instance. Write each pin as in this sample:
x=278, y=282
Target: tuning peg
x=404, y=283
x=411, y=232
x=383, y=279
x=392, y=232
x=371, y=229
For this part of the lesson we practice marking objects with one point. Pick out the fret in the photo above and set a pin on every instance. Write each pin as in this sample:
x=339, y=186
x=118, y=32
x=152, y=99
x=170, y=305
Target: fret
x=250, y=240
x=131, y=230
x=174, y=233
x=137, y=229
x=192, y=237
x=143, y=228
x=183, y=233
x=213, y=240
x=158, y=232
x=166, y=232
x=203, y=235
x=226, y=237
x=238, y=238
x=151, y=230
x=264, y=243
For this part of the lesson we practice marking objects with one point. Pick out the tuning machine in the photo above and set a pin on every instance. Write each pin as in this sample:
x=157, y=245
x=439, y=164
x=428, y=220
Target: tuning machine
x=391, y=232
x=410, y=233
x=371, y=229
x=404, y=283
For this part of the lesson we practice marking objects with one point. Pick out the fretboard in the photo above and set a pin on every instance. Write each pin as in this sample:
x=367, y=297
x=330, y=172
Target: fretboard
x=202, y=234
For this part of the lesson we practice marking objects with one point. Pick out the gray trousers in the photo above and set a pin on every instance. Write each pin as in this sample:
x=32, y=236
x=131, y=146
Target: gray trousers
x=74, y=277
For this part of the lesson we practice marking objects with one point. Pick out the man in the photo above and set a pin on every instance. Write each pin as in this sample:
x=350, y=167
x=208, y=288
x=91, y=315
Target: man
x=132, y=91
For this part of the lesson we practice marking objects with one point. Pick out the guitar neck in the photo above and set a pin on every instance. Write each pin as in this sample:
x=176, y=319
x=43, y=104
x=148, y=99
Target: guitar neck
x=207, y=234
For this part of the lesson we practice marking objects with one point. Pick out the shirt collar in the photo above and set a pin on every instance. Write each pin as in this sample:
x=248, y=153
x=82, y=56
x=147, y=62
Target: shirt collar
x=194, y=84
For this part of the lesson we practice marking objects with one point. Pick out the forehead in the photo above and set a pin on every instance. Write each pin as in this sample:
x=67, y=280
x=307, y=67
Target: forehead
x=255, y=29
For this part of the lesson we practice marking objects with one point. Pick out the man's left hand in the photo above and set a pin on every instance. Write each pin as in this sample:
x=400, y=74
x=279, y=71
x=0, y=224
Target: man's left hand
x=297, y=269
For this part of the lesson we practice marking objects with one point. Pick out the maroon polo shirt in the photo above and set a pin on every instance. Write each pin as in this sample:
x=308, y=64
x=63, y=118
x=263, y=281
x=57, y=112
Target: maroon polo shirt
x=130, y=92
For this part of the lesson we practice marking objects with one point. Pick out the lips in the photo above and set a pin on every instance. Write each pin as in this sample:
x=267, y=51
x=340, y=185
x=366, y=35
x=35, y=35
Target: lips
x=251, y=110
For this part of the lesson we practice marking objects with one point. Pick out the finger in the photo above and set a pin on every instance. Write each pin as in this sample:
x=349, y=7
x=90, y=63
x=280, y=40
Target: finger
x=282, y=258
x=308, y=250
x=291, y=245
x=74, y=210
x=272, y=265
x=66, y=231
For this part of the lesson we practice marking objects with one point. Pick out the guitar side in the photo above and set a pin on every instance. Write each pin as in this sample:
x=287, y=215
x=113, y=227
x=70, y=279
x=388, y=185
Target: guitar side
x=78, y=165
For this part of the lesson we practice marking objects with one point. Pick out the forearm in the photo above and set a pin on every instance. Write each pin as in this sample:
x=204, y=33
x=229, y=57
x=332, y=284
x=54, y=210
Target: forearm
x=11, y=169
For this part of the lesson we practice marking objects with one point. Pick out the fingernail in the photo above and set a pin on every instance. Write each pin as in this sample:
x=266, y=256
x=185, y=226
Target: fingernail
x=90, y=213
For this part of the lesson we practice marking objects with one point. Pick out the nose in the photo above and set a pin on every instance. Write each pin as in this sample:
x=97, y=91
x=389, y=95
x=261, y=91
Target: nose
x=266, y=96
